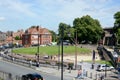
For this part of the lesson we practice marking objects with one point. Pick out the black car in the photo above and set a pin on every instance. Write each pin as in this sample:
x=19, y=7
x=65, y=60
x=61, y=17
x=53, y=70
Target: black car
x=33, y=76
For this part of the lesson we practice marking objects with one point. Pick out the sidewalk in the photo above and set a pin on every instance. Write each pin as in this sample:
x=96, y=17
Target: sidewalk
x=92, y=74
x=57, y=72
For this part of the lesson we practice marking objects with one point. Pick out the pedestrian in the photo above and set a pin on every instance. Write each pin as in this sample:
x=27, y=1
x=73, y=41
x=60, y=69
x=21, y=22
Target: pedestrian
x=93, y=56
x=79, y=75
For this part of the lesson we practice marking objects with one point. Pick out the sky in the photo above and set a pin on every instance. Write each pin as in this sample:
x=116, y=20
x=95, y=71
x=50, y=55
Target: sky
x=22, y=14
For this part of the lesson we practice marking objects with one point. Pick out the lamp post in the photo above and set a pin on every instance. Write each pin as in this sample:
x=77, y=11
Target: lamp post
x=38, y=51
x=59, y=53
x=105, y=68
x=76, y=51
x=12, y=44
x=75, y=48
x=62, y=34
x=37, y=54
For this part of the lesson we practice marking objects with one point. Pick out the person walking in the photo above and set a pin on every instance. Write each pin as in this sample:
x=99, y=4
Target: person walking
x=79, y=75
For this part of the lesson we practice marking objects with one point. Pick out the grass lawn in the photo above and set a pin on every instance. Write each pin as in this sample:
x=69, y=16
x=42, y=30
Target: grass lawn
x=52, y=50
x=101, y=62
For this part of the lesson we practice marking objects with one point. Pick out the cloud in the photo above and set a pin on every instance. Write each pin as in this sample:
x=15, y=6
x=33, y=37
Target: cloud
x=2, y=18
x=67, y=10
x=50, y=13
x=17, y=7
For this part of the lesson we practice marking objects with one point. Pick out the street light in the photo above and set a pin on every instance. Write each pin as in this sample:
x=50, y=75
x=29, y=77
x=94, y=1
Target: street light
x=62, y=34
x=12, y=45
x=105, y=68
x=75, y=48
x=59, y=53
x=76, y=51
x=37, y=54
x=38, y=51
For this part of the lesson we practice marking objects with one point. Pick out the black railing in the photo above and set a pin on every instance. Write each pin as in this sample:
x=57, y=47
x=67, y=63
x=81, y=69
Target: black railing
x=112, y=58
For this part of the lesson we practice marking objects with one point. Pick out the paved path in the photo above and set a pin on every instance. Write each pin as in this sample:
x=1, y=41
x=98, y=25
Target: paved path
x=92, y=74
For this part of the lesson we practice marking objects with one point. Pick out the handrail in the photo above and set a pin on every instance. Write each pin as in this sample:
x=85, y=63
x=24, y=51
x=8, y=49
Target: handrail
x=113, y=61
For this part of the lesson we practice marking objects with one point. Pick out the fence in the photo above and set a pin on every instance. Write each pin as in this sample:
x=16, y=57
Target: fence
x=110, y=75
x=8, y=76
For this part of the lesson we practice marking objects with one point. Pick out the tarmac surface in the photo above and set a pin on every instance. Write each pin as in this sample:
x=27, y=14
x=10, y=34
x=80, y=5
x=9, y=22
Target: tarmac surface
x=90, y=74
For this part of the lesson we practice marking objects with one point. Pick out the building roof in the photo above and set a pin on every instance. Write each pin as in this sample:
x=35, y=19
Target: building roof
x=9, y=38
x=18, y=33
x=36, y=30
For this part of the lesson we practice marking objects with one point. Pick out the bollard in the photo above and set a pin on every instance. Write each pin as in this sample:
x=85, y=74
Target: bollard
x=91, y=75
x=70, y=70
x=86, y=73
x=10, y=76
x=96, y=76
x=102, y=77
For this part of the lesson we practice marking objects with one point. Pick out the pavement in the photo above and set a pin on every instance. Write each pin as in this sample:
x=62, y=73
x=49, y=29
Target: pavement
x=90, y=74
x=67, y=73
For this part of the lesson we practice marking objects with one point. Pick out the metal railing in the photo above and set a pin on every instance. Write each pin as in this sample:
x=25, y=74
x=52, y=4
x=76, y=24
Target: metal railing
x=9, y=76
x=111, y=57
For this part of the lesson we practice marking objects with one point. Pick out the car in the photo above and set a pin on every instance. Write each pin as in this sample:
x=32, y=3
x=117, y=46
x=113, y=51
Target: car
x=103, y=67
x=32, y=76
x=118, y=69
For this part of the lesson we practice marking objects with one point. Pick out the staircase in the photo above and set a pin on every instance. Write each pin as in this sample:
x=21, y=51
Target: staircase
x=107, y=55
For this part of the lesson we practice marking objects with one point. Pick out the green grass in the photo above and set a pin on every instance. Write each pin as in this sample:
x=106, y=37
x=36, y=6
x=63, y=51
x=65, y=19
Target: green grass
x=52, y=50
x=101, y=62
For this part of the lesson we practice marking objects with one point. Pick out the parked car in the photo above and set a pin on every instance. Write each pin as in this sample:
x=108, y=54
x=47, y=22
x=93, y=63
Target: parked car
x=118, y=69
x=103, y=67
x=2, y=48
x=32, y=76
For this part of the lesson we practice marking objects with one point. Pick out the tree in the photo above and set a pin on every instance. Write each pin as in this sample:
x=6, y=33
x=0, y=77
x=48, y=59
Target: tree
x=88, y=29
x=67, y=30
x=17, y=38
x=117, y=25
x=118, y=35
x=117, y=18
x=54, y=36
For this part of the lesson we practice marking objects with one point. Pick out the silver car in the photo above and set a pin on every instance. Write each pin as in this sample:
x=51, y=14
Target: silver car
x=103, y=67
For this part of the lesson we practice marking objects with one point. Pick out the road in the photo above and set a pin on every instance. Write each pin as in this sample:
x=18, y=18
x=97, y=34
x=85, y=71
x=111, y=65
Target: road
x=20, y=70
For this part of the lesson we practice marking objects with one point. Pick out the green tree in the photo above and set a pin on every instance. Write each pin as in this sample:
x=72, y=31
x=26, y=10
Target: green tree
x=88, y=29
x=67, y=30
x=117, y=25
x=117, y=18
x=17, y=38
x=118, y=35
x=54, y=36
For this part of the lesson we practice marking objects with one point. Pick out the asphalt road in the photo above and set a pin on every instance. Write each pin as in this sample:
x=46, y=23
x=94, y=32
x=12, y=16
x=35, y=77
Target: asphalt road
x=20, y=70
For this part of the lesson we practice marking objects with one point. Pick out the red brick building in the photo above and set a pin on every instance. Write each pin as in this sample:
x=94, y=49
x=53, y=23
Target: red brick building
x=35, y=34
x=11, y=38
x=109, y=38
